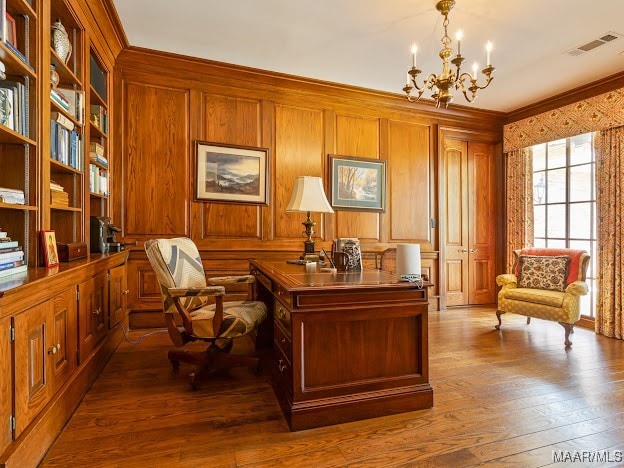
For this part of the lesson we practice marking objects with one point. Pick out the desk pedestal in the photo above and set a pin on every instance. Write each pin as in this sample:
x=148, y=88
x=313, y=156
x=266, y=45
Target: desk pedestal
x=347, y=346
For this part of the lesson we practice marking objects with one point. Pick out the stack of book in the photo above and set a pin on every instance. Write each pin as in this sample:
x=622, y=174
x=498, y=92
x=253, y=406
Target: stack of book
x=75, y=100
x=12, y=196
x=99, y=117
x=58, y=195
x=11, y=256
x=96, y=154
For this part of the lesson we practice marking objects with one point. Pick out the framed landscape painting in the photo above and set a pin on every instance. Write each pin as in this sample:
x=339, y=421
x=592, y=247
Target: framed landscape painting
x=357, y=183
x=231, y=174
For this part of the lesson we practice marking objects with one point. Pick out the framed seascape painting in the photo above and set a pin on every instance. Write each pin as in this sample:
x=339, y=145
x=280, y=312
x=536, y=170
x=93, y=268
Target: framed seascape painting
x=357, y=183
x=231, y=174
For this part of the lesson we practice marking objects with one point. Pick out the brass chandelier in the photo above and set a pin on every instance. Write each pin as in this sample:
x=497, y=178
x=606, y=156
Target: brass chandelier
x=442, y=85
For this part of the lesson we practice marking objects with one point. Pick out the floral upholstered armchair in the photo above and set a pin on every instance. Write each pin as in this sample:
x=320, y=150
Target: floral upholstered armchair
x=546, y=284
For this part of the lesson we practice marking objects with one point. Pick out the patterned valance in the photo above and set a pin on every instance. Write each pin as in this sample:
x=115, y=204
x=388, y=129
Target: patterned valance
x=590, y=115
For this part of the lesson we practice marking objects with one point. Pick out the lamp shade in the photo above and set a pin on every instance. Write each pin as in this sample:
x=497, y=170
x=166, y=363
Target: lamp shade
x=408, y=260
x=308, y=195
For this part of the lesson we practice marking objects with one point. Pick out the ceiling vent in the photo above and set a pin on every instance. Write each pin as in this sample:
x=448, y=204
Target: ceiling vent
x=593, y=44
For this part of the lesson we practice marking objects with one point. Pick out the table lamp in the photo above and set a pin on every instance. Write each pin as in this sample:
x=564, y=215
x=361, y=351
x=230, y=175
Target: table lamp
x=308, y=195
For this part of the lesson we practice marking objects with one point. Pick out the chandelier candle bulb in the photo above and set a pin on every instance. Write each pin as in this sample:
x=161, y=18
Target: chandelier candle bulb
x=414, y=50
x=459, y=36
x=488, y=49
x=475, y=67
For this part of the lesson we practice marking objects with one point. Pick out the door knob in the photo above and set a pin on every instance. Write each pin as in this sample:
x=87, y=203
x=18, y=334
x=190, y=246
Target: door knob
x=52, y=350
x=462, y=250
x=474, y=250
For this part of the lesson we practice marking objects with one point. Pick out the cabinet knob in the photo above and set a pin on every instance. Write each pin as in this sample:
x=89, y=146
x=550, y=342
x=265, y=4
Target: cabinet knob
x=96, y=312
x=283, y=340
x=281, y=314
x=126, y=292
x=281, y=365
x=58, y=346
x=52, y=350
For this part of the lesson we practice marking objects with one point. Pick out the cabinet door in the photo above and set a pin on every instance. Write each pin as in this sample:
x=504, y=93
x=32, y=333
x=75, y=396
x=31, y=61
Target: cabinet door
x=92, y=313
x=32, y=358
x=117, y=294
x=6, y=385
x=63, y=337
x=481, y=248
x=456, y=216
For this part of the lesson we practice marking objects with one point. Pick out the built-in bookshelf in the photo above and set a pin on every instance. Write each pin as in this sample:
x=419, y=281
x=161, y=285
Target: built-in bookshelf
x=64, y=186
x=18, y=147
x=98, y=150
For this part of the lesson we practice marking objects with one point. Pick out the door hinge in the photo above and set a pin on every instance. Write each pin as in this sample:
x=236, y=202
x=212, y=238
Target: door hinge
x=12, y=423
x=11, y=334
x=108, y=276
x=77, y=295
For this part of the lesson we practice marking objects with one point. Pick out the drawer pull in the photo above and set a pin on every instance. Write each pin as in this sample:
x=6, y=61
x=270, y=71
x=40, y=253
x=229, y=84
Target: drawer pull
x=126, y=292
x=96, y=312
x=283, y=340
x=281, y=365
x=281, y=314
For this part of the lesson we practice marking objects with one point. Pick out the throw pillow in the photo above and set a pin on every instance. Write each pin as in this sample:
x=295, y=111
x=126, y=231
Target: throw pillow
x=543, y=272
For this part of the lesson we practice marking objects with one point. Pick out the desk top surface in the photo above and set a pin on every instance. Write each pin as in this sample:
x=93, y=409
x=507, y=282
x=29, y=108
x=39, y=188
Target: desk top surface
x=306, y=277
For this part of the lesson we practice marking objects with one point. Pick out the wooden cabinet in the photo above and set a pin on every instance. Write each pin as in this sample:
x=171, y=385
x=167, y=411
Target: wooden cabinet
x=92, y=313
x=117, y=294
x=45, y=350
x=468, y=210
x=6, y=384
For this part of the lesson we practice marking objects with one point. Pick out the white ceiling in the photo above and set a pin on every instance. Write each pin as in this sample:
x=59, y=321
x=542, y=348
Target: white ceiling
x=367, y=42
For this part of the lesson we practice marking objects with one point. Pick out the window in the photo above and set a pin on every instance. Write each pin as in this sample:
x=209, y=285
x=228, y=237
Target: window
x=564, y=201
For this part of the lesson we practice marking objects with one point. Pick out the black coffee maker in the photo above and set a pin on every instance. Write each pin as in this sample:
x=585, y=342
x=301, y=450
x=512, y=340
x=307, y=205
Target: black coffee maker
x=103, y=235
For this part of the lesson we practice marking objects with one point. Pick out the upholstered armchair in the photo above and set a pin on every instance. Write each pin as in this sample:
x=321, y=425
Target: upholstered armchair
x=186, y=294
x=546, y=284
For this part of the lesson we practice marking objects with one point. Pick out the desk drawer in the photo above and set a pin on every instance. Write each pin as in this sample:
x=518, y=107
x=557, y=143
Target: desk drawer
x=282, y=340
x=282, y=370
x=266, y=282
x=282, y=315
x=282, y=294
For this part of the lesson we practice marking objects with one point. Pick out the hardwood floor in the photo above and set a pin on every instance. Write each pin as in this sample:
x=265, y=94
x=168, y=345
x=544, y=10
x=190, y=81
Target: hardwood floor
x=500, y=398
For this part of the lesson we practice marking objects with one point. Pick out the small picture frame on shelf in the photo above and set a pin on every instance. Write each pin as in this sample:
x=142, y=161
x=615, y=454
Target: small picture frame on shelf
x=10, y=31
x=49, y=249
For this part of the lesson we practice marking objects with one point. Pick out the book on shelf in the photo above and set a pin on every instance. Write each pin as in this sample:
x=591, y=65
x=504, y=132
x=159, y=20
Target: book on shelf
x=99, y=159
x=11, y=264
x=75, y=99
x=99, y=117
x=58, y=99
x=62, y=120
x=12, y=196
x=11, y=256
x=15, y=248
x=13, y=101
x=3, y=235
x=95, y=147
x=54, y=185
x=19, y=54
x=66, y=146
x=98, y=180
x=9, y=272
x=8, y=245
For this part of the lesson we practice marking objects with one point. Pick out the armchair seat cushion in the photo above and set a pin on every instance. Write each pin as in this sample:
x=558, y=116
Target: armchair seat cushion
x=536, y=296
x=239, y=318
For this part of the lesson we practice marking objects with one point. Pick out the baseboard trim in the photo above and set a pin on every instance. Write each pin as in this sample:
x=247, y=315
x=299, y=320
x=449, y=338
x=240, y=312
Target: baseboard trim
x=32, y=445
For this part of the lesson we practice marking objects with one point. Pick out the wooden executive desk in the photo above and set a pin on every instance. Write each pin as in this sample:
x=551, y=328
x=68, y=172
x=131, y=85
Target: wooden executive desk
x=347, y=346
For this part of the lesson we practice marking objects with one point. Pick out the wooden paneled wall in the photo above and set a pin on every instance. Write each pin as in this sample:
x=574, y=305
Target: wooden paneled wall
x=168, y=102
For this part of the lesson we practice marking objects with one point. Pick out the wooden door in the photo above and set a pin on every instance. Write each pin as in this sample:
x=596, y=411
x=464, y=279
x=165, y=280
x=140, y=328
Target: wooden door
x=481, y=247
x=92, y=314
x=117, y=294
x=456, y=227
x=32, y=358
x=6, y=385
x=63, y=337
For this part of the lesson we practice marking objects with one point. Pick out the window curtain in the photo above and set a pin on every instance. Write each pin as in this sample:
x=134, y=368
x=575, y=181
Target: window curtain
x=610, y=225
x=519, y=167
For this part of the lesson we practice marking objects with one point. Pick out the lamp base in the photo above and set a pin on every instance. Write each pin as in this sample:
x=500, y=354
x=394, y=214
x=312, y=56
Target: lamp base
x=308, y=247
